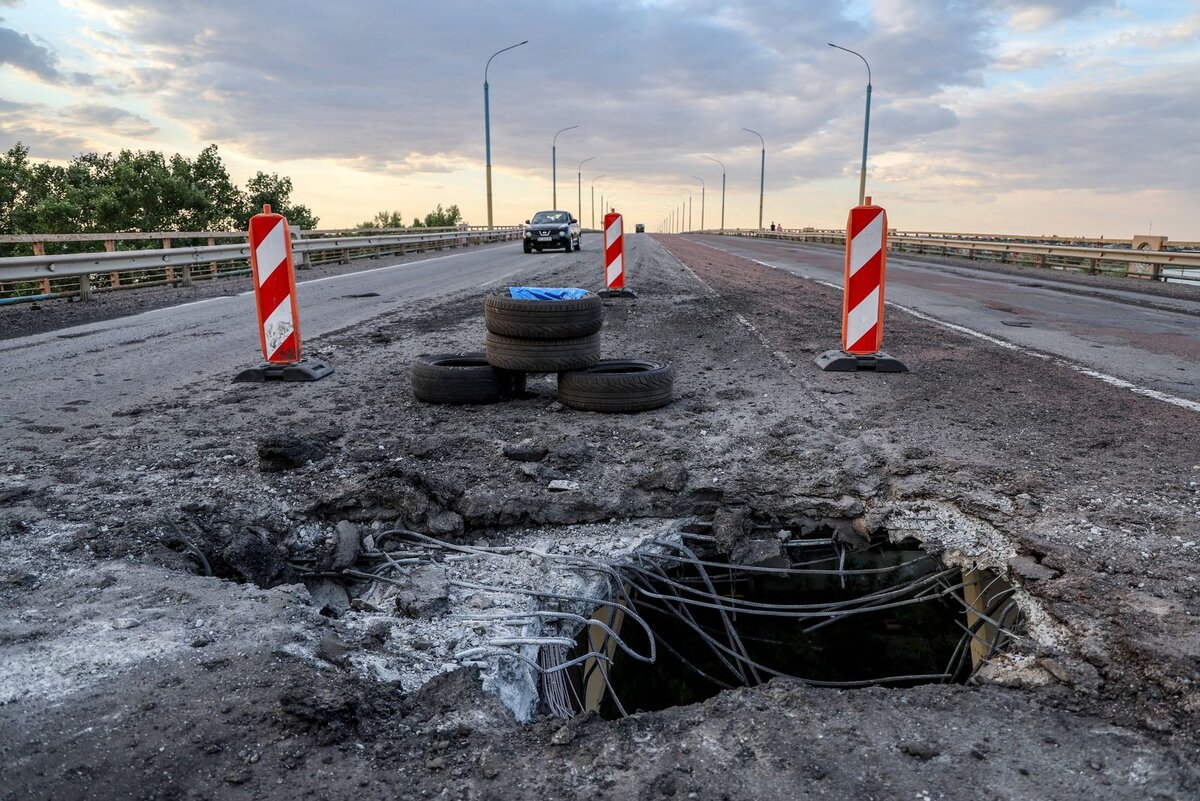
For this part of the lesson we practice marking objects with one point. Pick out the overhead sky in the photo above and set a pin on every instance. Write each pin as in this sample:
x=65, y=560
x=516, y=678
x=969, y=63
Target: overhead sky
x=1007, y=116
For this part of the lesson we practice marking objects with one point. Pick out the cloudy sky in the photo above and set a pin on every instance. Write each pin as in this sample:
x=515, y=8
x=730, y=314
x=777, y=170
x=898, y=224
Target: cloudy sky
x=1023, y=116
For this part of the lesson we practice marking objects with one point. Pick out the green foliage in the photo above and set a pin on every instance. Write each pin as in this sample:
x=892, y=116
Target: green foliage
x=439, y=218
x=134, y=192
x=277, y=191
x=384, y=219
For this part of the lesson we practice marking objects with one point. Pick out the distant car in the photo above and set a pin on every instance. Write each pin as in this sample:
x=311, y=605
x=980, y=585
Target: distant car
x=640, y=228
x=552, y=229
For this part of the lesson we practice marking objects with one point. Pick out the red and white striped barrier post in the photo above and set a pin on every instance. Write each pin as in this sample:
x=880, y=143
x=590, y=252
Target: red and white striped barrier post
x=274, y=272
x=614, y=258
x=862, y=297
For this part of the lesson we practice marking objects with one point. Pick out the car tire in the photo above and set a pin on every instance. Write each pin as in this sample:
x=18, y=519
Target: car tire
x=528, y=248
x=570, y=247
x=542, y=319
x=542, y=355
x=617, y=385
x=462, y=378
x=579, y=242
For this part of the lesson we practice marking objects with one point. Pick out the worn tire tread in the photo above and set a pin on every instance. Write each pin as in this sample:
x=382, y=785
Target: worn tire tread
x=477, y=384
x=542, y=355
x=640, y=391
x=542, y=319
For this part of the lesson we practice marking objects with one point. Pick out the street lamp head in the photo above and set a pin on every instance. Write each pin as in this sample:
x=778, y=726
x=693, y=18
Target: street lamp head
x=756, y=133
x=696, y=178
x=560, y=130
x=585, y=161
x=498, y=52
x=860, y=55
x=718, y=161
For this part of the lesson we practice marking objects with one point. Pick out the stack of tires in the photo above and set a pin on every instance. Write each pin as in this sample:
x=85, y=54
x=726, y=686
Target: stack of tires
x=544, y=336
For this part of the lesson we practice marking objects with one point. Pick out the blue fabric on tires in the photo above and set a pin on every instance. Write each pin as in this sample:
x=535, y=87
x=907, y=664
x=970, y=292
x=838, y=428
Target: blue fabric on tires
x=546, y=292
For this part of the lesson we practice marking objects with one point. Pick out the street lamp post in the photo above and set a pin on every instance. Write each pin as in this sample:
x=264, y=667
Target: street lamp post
x=487, y=128
x=762, y=175
x=701, y=180
x=710, y=158
x=554, y=165
x=597, y=178
x=689, y=208
x=579, y=178
x=862, y=174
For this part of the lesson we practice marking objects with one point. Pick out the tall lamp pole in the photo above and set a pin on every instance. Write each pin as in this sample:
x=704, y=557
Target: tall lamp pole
x=762, y=175
x=597, y=178
x=487, y=127
x=579, y=178
x=554, y=164
x=689, y=208
x=862, y=174
x=701, y=180
x=710, y=158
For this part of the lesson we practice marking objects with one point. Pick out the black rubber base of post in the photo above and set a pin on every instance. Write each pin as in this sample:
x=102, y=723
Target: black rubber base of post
x=303, y=370
x=841, y=362
x=617, y=293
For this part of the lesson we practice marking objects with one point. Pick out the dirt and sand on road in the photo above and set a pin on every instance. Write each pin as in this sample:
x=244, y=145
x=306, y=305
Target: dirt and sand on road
x=131, y=674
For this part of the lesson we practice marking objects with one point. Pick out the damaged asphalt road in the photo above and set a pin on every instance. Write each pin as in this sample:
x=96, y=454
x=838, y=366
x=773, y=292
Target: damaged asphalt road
x=130, y=673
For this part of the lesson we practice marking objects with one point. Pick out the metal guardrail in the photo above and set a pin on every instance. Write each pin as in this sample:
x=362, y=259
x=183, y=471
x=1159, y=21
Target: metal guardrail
x=1152, y=264
x=206, y=258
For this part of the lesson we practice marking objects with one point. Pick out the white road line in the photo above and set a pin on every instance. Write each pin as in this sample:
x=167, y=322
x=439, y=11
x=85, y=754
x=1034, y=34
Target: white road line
x=1111, y=380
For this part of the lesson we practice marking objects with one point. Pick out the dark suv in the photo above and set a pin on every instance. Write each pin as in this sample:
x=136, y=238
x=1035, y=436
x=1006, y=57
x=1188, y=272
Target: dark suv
x=552, y=229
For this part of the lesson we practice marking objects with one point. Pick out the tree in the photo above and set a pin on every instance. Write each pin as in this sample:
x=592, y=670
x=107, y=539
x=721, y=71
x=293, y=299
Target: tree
x=384, y=219
x=277, y=191
x=439, y=218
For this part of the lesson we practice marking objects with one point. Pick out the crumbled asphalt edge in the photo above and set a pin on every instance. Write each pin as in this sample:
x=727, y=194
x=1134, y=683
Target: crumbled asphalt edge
x=449, y=735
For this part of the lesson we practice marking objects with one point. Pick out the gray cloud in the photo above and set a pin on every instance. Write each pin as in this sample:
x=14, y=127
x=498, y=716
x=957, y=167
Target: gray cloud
x=116, y=120
x=1032, y=15
x=652, y=88
x=25, y=122
x=20, y=51
x=396, y=88
x=1122, y=137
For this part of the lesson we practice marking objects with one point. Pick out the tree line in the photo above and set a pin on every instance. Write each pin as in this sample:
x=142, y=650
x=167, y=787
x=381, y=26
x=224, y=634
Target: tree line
x=134, y=191
x=438, y=218
x=144, y=191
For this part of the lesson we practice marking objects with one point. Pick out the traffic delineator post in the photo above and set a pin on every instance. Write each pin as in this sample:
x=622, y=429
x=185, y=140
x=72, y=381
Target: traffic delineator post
x=862, y=296
x=614, y=258
x=274, y=271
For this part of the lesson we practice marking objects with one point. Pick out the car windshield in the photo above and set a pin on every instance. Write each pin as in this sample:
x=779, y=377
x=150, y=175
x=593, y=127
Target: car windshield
x=543, y=217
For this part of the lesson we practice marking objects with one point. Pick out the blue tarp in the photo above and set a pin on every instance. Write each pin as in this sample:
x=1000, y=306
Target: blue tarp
x=546, y=292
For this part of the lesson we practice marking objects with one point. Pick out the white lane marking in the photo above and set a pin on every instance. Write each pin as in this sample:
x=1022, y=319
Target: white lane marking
x=270, y=253
x=1111, y=380
x=866, y=243
x=862, y=318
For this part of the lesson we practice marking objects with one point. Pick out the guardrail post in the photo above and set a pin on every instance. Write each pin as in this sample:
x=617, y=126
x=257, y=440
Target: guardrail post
x=85, y=287
x=302, y=260
x=212, y=265
x=39, y=249
x=114, y=278
x=166, y=243
x=1094, y=266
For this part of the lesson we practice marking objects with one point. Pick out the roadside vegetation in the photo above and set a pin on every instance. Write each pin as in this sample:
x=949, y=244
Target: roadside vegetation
x=438, y=218
x=133, y=191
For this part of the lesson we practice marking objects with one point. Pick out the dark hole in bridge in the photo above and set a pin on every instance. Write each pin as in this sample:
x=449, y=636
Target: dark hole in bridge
x=822, y=611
